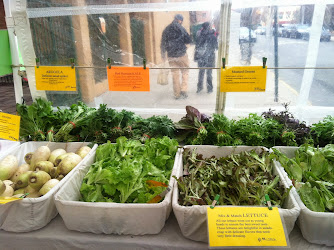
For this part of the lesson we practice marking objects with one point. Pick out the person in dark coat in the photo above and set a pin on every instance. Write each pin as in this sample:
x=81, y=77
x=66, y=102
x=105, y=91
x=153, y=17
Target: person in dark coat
x=173, y=41
x=206, y=45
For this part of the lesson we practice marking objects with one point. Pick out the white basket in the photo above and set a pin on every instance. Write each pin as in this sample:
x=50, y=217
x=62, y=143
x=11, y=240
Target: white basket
x=192, y=219
x=316, y=227
x=31, y=214
x=6, y=145
x=107, y=217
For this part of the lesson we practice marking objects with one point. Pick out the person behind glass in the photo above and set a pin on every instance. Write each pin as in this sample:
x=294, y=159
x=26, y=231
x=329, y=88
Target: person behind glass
x=206, y=45
x=173, y=41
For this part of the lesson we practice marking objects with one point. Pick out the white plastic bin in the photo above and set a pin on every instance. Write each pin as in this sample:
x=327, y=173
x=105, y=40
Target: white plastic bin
x=107, y=217
x=316, y=227
x=192, y=219
x=31, y=214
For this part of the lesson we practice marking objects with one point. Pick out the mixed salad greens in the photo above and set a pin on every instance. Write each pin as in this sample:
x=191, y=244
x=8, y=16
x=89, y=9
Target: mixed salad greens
x=312, y=173
x=129, y=171
x=239, y=179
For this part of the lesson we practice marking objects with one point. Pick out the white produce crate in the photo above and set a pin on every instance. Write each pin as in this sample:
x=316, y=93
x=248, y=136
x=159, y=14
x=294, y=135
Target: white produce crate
x=6, y=145
x=107, y=217
x=316, y=227
x=193, y=219
x=31, y=214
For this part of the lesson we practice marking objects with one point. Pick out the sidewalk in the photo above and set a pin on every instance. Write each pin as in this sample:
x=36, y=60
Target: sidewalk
x=7, y=97
x=160, y=99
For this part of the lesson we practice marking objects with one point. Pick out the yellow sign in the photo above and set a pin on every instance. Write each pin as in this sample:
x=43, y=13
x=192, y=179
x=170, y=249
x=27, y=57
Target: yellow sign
x=243, y=79
x=245, y=227
x=128, y=79
x=55, y=78
x=4, y=200
x=9, y=126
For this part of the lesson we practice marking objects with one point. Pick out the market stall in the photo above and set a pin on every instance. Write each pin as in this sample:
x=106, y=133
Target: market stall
x=169, y=124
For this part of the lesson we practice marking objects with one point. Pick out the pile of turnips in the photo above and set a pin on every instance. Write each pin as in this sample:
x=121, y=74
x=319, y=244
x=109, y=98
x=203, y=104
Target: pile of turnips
x=41, y=171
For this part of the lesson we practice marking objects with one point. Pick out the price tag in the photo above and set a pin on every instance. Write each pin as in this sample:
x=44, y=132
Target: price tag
x=245, y=227
x=128, y=79
x=55, y=78
x=9, y=126
x=243, y=79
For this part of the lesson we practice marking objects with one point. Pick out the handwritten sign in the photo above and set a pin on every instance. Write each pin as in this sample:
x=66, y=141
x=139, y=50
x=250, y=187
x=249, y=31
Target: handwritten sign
x=128, y=79
x=9, y=126
x=55, y=78
x=245, y=226
x=243, y=79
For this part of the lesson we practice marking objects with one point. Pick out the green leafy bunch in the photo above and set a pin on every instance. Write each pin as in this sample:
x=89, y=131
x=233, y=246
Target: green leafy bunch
x=220, y=132
x=294, y=132
x=36, y=120
x=312, y=173
x=121, y=170
x=191, y=129
x=255, y=130
x=155, y=126
x=239, y=179
x=323, y=131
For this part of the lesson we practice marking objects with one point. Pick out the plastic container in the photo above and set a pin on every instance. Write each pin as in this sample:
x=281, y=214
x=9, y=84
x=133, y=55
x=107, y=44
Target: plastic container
x=316, y=227
x=107, y=217
x=31, y=214
x=192, y=219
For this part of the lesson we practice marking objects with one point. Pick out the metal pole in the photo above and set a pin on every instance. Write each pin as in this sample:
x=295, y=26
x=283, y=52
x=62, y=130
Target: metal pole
x=14, y=52
x=276, y=53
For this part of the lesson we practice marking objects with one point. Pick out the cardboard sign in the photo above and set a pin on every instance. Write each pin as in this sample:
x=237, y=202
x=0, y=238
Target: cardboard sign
x=245, y=227
x=128, y=79
x=55, y=78
x=243, y=79
x=9, y=126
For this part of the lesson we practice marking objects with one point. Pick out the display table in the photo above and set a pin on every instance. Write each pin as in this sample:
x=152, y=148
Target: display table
x=56, y=236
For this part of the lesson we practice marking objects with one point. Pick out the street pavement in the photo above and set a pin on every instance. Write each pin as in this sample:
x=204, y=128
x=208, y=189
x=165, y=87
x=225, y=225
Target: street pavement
x=293, y=53
x=160, y=99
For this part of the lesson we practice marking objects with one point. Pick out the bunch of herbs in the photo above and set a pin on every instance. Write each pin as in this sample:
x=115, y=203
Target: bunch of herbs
x=239, y=179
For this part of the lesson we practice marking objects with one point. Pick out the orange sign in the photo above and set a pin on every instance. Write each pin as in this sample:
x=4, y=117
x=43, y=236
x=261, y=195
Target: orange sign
x=128, y=79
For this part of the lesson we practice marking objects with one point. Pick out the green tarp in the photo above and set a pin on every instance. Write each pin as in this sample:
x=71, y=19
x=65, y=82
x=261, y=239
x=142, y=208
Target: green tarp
x=5, y=58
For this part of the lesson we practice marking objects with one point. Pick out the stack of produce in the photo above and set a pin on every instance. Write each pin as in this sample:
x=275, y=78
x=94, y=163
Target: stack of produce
x=312, y=174
x=239, y=179
x=41, y=171
x=129, y=171
x=270, y=129
x=39, y=122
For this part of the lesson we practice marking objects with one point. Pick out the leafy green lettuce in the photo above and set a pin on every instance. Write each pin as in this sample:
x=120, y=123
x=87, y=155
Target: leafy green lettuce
x=121, y=171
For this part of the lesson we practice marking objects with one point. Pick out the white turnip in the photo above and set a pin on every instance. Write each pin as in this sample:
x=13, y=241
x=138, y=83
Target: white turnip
x=9, y=191
x=48, y=186
x=38, y=178
x=68, y=163
x=41, y=154
x=23, y=180
x=27, y=157
x=61, y=157
x=83, y=151
x=45, y=166
x=22, y=169
x=9, y=183
x=55, y=153
x=19, y=191
x=2, y=187
x=8, y=167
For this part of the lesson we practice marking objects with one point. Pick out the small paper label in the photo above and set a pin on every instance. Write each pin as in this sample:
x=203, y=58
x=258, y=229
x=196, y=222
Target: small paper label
x=245, y=227
x=128, y=79
x=243, y=79
x=55, y=78
x=9, y=126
